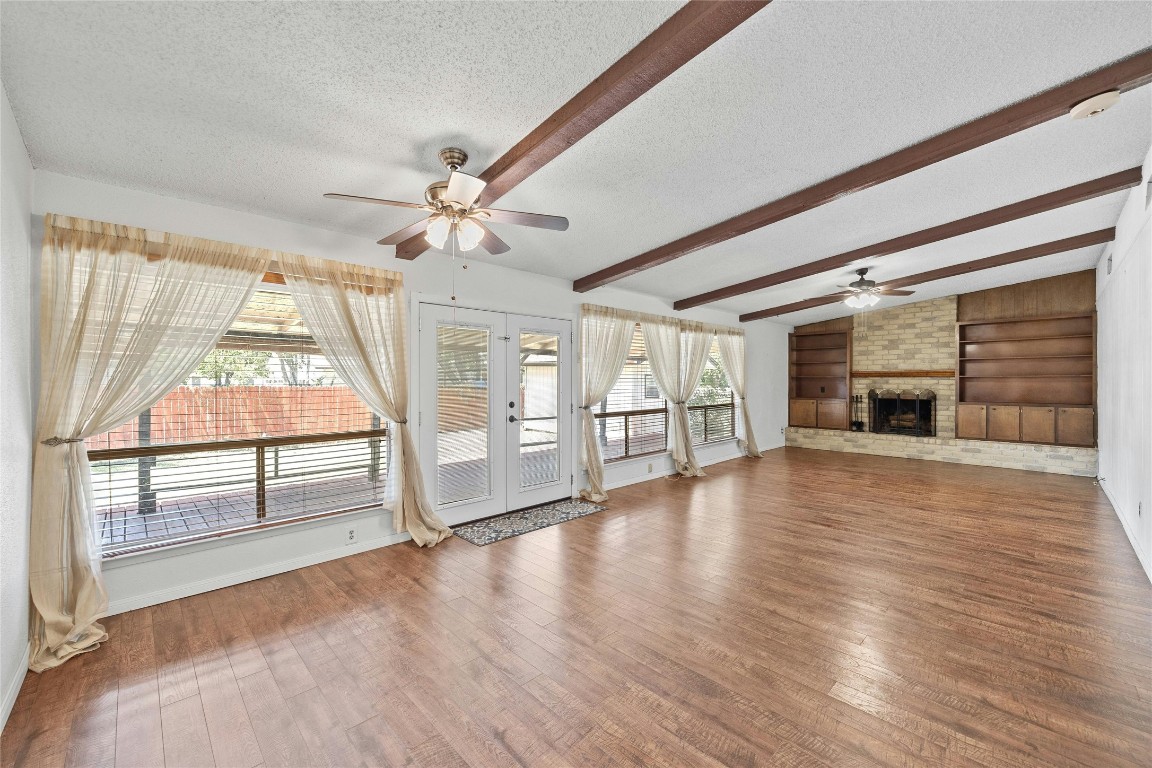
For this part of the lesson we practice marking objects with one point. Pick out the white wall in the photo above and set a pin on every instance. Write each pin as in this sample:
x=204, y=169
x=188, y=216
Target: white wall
x=146, y=579
x=1124, y=378
x=16, y=415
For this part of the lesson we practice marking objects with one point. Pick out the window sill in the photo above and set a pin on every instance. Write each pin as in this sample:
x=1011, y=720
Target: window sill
x=145, y=548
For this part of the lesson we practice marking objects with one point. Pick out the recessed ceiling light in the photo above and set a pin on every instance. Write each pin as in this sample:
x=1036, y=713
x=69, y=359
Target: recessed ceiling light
x=1094, y=105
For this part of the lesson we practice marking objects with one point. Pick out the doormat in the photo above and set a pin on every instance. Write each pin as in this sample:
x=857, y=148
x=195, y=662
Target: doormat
x=484, y=532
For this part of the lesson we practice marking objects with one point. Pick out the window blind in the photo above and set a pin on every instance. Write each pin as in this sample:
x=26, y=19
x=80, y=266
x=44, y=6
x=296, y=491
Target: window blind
x=263, y=431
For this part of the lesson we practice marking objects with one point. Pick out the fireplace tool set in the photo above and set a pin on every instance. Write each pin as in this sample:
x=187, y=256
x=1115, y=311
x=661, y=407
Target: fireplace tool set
x=857, y=413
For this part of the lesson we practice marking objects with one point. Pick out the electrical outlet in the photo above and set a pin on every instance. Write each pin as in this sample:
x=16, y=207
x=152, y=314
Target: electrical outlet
x=649, y=469
x=781, y=430
x=350, y=538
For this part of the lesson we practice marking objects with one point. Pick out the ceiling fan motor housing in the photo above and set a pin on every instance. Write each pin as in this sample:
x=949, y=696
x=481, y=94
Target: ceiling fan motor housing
x=453, y=158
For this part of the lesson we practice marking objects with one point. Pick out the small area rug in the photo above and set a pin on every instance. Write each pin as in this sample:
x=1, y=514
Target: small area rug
x=484, y=532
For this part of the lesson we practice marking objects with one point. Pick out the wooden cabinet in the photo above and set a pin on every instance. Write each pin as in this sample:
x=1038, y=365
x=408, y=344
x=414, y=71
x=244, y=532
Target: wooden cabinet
x=1075, y=426
x=832, y=414
x=1025, y=373
x=802, y=413
x=1004, y=423
x=818, y=379
x=971, y=421
x=1037, y=424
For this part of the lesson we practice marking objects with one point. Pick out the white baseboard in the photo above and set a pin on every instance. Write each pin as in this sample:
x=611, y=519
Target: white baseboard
x=666, y=472
x=12, y=689
x=1141, y=555
x=239, y=577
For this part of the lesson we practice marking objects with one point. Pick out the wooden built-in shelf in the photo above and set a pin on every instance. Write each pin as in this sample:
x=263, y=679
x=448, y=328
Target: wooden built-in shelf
x=1043, y=390
x=818, y=379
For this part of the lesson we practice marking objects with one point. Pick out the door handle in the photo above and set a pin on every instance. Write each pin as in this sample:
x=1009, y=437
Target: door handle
x=512, y=419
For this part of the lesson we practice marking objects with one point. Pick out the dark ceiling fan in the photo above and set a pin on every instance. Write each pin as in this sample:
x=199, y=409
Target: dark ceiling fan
x=863, y=292
x=454, y=211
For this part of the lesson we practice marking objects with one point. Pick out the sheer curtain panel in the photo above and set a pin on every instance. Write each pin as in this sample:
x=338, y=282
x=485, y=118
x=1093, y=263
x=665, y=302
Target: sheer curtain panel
x=677, y=353
x=357, y=316
x=732, y=359
x=123, y=320
x=605, y=336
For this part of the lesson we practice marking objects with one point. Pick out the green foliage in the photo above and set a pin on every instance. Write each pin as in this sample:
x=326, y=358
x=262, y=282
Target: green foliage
x=713, y=388
x=240, y=367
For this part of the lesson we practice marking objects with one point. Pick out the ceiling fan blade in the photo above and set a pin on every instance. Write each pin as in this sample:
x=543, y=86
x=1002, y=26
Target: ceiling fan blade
x=464, y=189
x=403, y=234
x=849, y=288
x=894, y=292
x=538, y=220
x=491, y=243
x=376, y=200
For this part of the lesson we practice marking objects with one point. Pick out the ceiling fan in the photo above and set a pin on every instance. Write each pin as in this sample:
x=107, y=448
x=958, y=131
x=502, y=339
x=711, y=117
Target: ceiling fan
x=863, y=292
x=454, y=210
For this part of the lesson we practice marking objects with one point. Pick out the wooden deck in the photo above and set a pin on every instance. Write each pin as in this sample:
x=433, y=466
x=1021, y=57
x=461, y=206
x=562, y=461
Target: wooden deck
x=802, y=610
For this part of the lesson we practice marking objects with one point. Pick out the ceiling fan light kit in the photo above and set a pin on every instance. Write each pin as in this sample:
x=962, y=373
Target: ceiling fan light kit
x=862, y=300
x=454, y=209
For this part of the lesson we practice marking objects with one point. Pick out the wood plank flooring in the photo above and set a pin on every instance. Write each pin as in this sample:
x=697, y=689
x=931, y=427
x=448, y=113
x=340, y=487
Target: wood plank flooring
x=807, y=609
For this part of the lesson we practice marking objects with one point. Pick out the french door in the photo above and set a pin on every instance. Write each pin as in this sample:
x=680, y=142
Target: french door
x=495, y=410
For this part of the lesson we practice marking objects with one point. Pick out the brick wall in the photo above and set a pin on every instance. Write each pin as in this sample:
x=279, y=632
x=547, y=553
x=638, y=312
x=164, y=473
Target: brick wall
x=922, y=336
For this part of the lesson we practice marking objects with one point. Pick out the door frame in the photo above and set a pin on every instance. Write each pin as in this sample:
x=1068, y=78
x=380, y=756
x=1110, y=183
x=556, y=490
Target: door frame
x=460, y=514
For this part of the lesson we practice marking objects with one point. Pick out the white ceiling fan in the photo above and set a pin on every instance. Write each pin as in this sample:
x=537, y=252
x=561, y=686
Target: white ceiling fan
x=454, y=210
x=863, y=292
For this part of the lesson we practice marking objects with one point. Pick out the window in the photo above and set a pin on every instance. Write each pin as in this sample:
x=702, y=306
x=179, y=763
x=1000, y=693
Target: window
x=633, y=419
x=261, y=432
x=712, y=409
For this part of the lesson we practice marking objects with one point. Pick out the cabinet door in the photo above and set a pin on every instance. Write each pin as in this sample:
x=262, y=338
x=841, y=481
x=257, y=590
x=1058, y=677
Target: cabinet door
x=1004, y=423
x=1074, y=426
x=971, y=421
x=1038, y=424
x=832, y=414
x=802, y=413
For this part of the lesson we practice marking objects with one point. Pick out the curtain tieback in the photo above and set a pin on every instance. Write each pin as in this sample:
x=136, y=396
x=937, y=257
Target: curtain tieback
x=54, y=441
x=402, y=421
x=679, y=402
x=585, y=407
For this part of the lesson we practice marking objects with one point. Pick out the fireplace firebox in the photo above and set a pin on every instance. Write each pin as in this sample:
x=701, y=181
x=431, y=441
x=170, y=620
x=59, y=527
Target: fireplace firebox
x=905, y=412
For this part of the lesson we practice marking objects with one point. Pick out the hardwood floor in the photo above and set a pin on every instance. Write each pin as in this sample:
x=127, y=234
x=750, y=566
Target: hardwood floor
x=807, y=609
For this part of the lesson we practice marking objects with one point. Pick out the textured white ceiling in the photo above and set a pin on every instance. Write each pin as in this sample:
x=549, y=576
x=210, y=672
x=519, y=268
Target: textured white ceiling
x=264, y=107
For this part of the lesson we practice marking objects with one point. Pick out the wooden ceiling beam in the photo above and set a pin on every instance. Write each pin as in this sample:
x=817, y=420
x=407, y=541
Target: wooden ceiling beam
x=1000, y=260
x=684, y=35
x=1077, y=193
x=1124, y=75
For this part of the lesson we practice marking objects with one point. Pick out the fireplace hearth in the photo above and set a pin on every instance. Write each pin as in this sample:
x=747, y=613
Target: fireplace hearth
x=904, y=412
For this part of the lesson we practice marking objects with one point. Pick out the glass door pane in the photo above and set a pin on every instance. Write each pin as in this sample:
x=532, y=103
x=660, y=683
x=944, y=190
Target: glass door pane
x=463, y=453
x=539, y=403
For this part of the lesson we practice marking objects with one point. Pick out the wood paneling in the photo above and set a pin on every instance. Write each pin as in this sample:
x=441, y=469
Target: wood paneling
x=1076, y=426
x=1071, y=294
x=1129, y=73
x=825, y=615
x=1004, y=423
x=1012, y=257
x=835, y=324
x=1038, y=424
x=685, y=34
x=971, y=421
